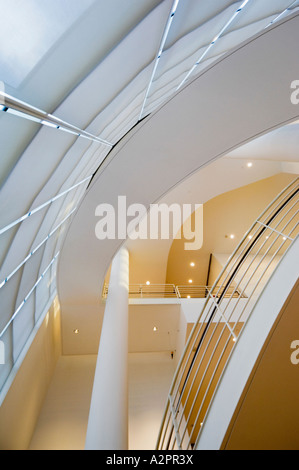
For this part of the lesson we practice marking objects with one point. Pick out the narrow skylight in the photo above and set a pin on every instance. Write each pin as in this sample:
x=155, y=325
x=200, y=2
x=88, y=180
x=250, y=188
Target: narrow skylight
x=49, y=124
x=225, y=27
x=28, y=295
x=161, y=48
x=281, y=14
x=5, y=281
x=37, y=209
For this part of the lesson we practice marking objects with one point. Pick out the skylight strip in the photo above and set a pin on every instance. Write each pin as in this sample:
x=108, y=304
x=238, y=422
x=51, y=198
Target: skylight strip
x=34, y=211
x=225, y=27
x=5, y=281
x=160, y=52
x=281, y=14
x=24, y=110
x=28, y=296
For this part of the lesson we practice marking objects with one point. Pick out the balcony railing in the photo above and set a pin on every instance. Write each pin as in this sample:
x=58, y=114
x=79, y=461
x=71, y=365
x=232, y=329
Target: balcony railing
x=200, y=292
x=170, y=291
x=222, y=319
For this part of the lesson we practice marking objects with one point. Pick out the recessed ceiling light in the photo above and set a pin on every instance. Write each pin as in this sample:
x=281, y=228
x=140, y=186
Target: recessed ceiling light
x=148, y=283
x=155, y=329
x=192, y=265
x=76, y=332
x=249, y=165
x=250, y=237
x=232, y=237
x=190, y=281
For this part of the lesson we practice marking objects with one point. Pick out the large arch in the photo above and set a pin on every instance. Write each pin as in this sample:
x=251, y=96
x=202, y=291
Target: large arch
x=220, y=110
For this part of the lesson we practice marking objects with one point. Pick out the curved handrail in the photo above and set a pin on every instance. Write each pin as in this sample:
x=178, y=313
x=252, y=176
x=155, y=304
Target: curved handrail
x=223, y=317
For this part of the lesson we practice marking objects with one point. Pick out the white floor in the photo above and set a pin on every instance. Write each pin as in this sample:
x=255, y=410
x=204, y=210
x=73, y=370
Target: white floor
x=63, y=419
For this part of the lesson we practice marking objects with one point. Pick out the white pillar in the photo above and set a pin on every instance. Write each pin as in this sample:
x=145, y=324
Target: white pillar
x=108, y=417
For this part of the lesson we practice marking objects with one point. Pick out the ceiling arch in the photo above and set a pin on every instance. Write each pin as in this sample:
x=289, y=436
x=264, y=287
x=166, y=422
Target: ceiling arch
x=224, y=101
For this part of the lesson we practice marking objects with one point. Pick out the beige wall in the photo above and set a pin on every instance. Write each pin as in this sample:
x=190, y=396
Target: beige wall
x=62, y=423
x=267, y=416
x=142, y=320
x=21, y=407
x=232, y=212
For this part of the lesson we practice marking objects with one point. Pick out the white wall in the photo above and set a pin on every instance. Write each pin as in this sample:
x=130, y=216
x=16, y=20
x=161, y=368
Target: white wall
x=21, y=406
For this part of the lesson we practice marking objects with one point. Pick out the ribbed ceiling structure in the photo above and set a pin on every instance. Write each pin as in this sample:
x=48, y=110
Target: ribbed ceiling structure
x=77, y=76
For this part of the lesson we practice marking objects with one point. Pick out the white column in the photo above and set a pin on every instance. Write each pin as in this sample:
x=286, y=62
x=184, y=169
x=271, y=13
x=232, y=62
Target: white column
x=108, y=417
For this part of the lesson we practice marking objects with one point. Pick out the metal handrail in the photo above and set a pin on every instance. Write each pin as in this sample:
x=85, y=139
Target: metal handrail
x=156, y=291
x=152, y=291
x=223, y=317
x=202, y=292
x=147, y=291
x=27, y=111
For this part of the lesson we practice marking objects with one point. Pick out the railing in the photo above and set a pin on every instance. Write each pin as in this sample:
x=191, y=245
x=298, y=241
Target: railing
x=24, y=110
x=144, y=291
x=170, y=291
x=152, y=291
x=222, y=319
x=201, y=292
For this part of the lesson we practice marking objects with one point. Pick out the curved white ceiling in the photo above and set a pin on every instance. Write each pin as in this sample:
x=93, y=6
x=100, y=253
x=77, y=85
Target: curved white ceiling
x=280, y=145
x=114, y=65
x=197, y=126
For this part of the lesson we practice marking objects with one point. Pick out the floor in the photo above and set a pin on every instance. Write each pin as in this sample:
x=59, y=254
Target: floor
x=64, y=417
